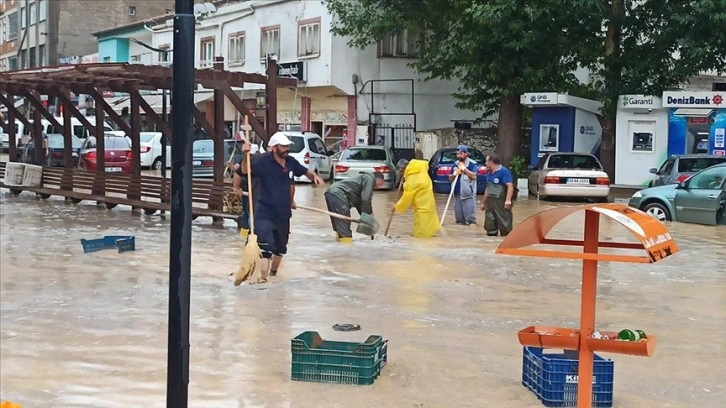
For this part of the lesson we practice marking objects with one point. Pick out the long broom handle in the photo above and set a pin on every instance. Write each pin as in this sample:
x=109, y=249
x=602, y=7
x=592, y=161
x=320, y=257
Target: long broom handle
x=249, y=178
x=332, y=214
x=451, y=193
x=231, y=156
x=390, y=218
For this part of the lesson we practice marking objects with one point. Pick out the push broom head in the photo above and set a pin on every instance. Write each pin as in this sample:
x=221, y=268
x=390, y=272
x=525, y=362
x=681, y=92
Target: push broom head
x=250, y=257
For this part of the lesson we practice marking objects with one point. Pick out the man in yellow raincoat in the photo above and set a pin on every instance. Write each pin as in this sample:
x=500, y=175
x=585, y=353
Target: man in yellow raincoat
x=418, y=191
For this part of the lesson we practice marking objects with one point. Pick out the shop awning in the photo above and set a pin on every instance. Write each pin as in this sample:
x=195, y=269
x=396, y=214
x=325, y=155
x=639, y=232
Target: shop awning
x=694, y=113
x=155, y=101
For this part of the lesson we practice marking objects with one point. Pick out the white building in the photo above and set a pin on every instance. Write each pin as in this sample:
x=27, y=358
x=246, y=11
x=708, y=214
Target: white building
x=335, y=81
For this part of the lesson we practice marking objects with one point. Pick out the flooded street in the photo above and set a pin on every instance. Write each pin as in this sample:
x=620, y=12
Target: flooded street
x=90, y=330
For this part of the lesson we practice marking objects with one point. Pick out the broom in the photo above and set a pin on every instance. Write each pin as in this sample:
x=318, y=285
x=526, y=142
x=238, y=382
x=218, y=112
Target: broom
x=251, y=252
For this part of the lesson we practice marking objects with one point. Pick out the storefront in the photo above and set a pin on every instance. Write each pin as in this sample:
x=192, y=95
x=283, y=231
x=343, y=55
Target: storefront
x=563, y=123
x=696, y=122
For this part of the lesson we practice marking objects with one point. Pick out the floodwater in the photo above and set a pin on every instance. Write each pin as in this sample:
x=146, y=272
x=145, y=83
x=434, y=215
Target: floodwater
x=90, y=330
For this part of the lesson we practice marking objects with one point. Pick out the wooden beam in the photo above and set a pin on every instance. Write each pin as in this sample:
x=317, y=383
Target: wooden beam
x=115, y=117
x=165, y=129
x=67, y=104
x=11, y=108
x=204, y=123
x=241, y=108
x=40, y=108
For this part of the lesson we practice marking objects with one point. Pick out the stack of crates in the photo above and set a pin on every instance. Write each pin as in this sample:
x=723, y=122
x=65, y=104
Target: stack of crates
x=553, y=378
x=318, y=360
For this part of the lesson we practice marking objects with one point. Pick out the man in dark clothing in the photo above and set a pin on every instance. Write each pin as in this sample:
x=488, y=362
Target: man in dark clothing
x=351, y=193
x=273, y=198
x=497, y=202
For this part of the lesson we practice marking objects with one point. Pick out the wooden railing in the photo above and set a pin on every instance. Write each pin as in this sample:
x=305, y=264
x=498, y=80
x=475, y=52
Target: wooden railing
x=147, y=193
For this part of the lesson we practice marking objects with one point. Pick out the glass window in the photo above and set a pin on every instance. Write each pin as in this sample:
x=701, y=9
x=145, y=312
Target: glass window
x=12, y=26
x=117, y=143
x=146, y=137
x=233, y=147
x=23, y=18
x=270, y=43
x=711, y=179
x=206, y=53
x=363, y=154
x=449, y=156
x=298, y=144
x=203, y=146
x=666, y=168
x=642, y=142
x=549, y=138
x=320, y=146
x=43, y=6
x=402, y=45
x=573, y=161
x=696, y=164
x=33, y=13
x=236, y=54
x=308, y=44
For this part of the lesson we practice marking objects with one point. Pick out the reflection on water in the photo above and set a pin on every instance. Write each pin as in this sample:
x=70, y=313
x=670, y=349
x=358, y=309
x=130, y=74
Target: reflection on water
x=90, y=330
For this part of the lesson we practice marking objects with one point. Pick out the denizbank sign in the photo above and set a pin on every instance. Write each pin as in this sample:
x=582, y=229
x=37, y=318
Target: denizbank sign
x=685, y=99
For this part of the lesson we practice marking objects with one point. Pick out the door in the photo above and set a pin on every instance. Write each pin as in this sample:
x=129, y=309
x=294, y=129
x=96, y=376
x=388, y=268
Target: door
x=702, y=197
x=321, y=153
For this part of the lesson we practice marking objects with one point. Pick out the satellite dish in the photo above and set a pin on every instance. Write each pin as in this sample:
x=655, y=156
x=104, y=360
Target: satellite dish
x=202, y=9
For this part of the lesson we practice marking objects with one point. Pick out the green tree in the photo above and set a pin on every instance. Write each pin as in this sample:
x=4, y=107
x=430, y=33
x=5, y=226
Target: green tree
x=647, y=47
x=496, y=49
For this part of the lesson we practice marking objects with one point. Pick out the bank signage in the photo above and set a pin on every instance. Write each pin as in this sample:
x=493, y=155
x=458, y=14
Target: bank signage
x=685, y=99
x=640, y=102
x=292, y=70
x=539, y=98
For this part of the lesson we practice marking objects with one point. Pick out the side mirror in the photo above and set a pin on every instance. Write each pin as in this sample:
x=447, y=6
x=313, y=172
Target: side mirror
x=532, y=167
x=683, y=185
x=653, y=170
x=329, y=153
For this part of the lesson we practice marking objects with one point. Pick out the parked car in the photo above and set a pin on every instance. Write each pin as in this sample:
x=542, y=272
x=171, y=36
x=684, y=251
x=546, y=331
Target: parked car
x=20, y=131
x=203, y=155
x=444, y=159
x=701, y=199
x=367, y=159
x=310, y=150
x=117, y=154
x=150, y=147
x=680, y=167
x=56, y=148
x=577, y=175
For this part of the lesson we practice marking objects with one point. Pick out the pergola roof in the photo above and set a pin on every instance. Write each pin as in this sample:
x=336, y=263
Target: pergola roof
x=122, y=77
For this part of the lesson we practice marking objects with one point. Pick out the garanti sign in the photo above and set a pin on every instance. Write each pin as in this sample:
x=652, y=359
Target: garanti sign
x=694, y=100
x=640, y=102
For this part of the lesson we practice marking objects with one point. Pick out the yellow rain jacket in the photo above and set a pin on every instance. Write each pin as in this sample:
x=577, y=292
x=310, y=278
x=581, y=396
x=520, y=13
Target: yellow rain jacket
x=418, y=191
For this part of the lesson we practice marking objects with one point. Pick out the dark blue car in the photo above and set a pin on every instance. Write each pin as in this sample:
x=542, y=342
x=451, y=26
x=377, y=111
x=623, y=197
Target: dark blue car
x=444, y=159
x=26, y=154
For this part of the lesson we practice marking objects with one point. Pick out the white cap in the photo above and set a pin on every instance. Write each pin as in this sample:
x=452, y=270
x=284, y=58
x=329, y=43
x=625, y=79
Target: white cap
x=279, y=138
x=254, y=148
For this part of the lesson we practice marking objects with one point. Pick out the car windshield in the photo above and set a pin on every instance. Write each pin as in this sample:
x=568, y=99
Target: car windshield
x=298, y=144
x=56, y=142
x=696, y=164
x=146, y=137
x=573, y=161
x=203, y=146
x=449, y=156
x=364, y=154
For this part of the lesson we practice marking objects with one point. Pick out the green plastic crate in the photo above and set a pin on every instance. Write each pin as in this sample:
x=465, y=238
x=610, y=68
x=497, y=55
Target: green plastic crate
x=317, y=360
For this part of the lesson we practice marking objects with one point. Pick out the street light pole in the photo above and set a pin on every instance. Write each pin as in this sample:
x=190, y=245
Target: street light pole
x=180, y=242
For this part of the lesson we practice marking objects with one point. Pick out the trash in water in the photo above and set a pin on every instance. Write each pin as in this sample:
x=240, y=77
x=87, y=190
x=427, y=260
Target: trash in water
x=123, y=243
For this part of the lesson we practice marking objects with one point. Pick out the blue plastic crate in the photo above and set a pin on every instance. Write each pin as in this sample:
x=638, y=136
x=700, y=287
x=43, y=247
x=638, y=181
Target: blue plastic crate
x=122, y=242
x=318, y=360
x=553, y=378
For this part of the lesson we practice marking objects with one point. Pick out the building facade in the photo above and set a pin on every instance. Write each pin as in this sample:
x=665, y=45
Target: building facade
x=57, y=32
x=338, y=87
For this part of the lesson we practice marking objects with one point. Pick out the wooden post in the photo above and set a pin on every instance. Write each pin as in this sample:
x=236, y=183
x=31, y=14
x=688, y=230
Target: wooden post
x=134, y=194
x=11, y=131
x=67, y=180
x=218, y=127
x=271, y=91
x=100, y=187
x=587, y=317
x=38, y=134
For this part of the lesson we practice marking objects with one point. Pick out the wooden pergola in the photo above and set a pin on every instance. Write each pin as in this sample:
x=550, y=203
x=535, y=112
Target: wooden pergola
x=95, y=79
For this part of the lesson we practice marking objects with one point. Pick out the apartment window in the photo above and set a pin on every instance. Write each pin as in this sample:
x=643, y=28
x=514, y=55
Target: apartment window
x=43, y=8
x=206, y=52
x=236, y=52
x=13, y=63
x=32, y=57
x=106, y=59
x=23, y=18
x=42, y=56
x=164, y=56
x=136, y=58
x=400, y=45
x=33, y=13
x=270, y=43
x=12, y=26
x=308, y=38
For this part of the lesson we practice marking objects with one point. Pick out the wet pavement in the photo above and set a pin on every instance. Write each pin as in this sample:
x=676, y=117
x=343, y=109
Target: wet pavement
x=90, y=330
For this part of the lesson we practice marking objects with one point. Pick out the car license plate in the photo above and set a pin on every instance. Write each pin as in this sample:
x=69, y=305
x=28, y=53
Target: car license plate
x=113, y=169
x=578, y=181
x=196, y=163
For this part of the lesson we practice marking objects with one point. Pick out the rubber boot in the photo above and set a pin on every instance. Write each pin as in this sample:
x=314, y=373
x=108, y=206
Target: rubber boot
x=244, y=232
x=344, y=240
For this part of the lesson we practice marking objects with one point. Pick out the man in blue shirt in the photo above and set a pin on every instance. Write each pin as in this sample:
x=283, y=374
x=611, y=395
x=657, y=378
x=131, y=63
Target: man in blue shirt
x=465, y=187
x=274, y=172
x=497, y=202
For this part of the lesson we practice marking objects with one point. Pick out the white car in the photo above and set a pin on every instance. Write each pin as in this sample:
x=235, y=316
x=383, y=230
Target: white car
x=309, y=149
x=151, y=150
x=569, y=175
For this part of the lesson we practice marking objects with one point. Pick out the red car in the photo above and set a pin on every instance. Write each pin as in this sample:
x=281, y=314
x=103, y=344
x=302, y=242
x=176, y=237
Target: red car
x=118, y=154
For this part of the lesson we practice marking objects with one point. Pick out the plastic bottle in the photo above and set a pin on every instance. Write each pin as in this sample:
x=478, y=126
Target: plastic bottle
x=642, y=334
x=628, y=335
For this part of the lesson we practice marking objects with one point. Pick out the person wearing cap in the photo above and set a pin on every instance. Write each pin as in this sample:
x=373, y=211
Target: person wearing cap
x=465, y=172
x=356, y=193
x=497, y=203
x=274, y=172
x=418, y=192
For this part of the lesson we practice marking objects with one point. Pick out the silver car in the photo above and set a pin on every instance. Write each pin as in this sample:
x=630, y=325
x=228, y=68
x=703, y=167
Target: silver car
x=680, y=167
x=569, y=175
x=203, y=156
x=367, y=159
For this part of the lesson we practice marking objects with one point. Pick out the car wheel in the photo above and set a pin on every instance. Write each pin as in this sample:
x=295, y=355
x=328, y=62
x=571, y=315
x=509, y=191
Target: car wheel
x=156, y=165
x=657, y=211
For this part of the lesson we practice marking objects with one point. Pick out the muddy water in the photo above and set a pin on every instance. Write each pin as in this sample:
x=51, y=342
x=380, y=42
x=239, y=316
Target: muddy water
x=90, y=330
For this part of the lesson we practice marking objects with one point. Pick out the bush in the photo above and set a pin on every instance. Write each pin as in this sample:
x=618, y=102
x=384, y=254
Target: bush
x=519, y=167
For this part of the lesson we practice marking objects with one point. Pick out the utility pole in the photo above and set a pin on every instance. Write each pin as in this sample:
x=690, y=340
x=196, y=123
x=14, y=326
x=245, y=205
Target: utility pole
x=180, y=243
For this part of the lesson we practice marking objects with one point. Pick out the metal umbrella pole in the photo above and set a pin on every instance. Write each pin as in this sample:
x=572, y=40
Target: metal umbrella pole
x=180, y=242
